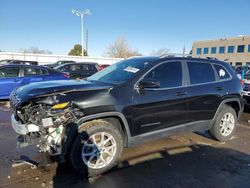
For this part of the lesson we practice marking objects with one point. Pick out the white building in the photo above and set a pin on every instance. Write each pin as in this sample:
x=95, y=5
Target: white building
x=43, y=59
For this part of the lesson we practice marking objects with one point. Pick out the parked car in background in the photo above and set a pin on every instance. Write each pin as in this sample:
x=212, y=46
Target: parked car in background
x=23, y=62
x=5, y=61
x=12, y=76
x=246, y=90
x=62, y=62
x=103, y=66
x=78, y=70
x=246, y=93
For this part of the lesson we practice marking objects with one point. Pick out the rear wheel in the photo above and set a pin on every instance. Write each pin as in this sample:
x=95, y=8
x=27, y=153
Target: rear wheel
x=225, y=124
x=96, y=148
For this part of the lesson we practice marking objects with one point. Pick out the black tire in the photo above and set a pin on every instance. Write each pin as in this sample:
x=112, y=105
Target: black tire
x=88, y=130
x=215, y=129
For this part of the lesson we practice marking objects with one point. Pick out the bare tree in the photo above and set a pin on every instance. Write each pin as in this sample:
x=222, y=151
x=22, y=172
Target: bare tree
x=35, y=50
x=160, y=52
x=121, y=49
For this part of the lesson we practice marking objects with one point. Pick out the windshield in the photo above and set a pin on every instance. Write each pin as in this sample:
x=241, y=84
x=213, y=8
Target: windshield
x=122, y=71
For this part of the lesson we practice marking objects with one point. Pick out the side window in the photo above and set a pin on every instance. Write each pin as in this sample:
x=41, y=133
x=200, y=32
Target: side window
x=92, y=67
x=85, y=67
x=221, y=71
x=78, y=67
x=72, y=67
x=9, y=72
x=64, y=68
x=44, y=71
x=31, y=71
x=200, y=72
x=169, y=74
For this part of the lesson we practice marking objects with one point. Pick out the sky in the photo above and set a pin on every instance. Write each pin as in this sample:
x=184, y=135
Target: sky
x=147, y=25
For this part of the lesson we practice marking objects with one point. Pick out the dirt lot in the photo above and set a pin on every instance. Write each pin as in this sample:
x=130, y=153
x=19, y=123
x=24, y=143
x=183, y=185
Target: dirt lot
x=187, y=160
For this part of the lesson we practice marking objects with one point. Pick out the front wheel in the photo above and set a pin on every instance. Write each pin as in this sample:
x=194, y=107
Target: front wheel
x=97, y=148
x=225, y=124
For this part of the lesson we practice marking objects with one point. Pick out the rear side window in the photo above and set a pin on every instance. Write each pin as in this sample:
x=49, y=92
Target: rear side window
x=169, y=74
x=84, y=67
x=9, y=72
x=200, y=73
x=92, y=67
x=78, y=67
x=72, y=67
x=221, y=71
x=87, y=67
x=64, y=68
x=31, y=71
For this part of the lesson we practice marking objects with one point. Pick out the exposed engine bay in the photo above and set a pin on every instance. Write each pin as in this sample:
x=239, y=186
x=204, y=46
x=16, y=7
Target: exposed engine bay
x=42, y=124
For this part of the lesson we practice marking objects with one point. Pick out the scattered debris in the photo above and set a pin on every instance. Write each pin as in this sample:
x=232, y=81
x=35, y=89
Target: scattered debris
x=32, y=164
x=37, y=178
x=204, y=143
x=19, y=172
x=43, y=184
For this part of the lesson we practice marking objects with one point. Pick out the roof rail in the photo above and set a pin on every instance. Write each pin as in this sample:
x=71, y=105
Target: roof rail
x=175, y=55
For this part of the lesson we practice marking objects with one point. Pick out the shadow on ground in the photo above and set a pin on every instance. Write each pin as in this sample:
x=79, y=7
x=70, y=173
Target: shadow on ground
x=199, y=166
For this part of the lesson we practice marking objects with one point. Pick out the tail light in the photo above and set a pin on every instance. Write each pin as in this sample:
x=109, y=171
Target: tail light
x=242, y=82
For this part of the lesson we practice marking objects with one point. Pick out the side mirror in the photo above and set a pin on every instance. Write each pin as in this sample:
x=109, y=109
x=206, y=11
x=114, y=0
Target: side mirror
x=149, y=83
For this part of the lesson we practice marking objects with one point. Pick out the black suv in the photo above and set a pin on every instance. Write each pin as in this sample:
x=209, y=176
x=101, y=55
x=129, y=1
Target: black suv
x=132, y=101
x=78, y=70
x=62, y=62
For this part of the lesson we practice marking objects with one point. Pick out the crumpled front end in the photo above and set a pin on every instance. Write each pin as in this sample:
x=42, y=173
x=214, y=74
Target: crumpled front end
x=42, y=122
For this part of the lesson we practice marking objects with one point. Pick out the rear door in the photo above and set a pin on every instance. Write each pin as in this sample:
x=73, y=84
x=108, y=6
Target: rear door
x=205, y=91
x=9, y=80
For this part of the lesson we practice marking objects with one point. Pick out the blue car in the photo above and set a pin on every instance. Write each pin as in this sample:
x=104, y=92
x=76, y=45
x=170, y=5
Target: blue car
x=12, y=76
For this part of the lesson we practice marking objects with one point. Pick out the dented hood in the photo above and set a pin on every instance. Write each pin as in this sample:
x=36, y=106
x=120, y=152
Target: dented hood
x=52, y=87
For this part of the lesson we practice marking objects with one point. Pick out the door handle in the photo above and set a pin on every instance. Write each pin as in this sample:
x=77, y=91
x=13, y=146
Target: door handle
x=181, y=93
x=219, y=88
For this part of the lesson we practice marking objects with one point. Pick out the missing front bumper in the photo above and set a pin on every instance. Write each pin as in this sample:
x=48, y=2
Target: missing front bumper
x=22, y=129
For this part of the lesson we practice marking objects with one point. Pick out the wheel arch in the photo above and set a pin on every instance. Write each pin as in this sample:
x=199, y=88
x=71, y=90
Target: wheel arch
x=235, y=103
x=236, y=106
x=113, y=117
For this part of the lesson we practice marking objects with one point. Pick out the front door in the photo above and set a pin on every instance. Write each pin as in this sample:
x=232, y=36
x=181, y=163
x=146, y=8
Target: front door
x=163, y=107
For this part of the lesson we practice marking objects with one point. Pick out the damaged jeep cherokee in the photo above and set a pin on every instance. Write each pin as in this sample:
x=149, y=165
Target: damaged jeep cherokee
x=89, y=122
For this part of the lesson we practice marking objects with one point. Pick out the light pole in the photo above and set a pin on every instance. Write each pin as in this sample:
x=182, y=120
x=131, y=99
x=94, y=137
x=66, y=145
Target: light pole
x=81, y=14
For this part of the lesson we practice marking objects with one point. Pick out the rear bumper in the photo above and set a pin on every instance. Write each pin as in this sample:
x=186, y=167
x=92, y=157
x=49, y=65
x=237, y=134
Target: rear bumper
x=22, y=129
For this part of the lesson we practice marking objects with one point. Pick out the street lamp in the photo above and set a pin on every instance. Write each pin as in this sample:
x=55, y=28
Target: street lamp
x=81, y=14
